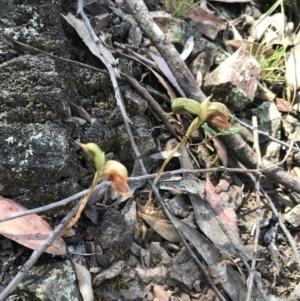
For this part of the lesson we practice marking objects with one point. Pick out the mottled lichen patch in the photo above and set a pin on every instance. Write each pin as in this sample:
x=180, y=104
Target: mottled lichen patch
x=59, y=282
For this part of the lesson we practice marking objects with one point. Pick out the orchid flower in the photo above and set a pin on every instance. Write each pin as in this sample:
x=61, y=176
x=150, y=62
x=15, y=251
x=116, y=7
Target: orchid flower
x=115, y=171
x=214, y=112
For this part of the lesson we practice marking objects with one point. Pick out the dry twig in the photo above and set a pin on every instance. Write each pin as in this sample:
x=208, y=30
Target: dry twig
x=36, y=254
x=257, y=210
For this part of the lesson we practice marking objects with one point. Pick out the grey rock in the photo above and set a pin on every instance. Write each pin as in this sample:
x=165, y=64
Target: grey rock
x=178, y=206
x=135, y=104
x=108, y=295
x=272, y=152
x=155, y=252
x=177, y=31
x=269, y=118
x=36, y=159
x=122, y=30
x=115, y=236
x=184, y=269
x=293, y=216
x=133, y=293
x=234, y=81
x=291, y=126
x=141, y=128
x=158, y=274
x=54, y=282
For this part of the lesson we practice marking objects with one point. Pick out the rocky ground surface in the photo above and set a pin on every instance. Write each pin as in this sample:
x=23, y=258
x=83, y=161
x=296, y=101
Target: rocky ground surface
x=123, y=249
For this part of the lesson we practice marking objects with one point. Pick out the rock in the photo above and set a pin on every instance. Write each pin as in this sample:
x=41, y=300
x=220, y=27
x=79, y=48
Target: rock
x=157, y=275
x=234, y=81
x=177, y=31
x=140, y=130
x=291, y=126
x=37, y=163
x=293, y=216
x=122, y=30
x=135, y=104
x=115, y=237
x=272, y=152
x=184, y=269
x=155, y=252
x=133, y=293
x=51, y=282
x=162, y=262
x=178, y=206
x=269, y=118
x=108, y=295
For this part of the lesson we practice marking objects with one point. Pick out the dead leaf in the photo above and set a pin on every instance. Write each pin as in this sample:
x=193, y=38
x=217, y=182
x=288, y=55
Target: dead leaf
x=253, y=47
x=222, y=208
x=123, y=68
x=199, y=78
x=164, y=68
x=292, y=72
x=110, y=273
x=78, y=111
x=282, y=105
x=260, y=27
x=160, y=293
x=188, y=48
x=206, y=23
x=169, y=89
x=165, y=84
x=30, y=231
x=163, y=155
x=221, y=150
x=100, y=257
x=163, y=227
x=85, y=282
x=83, y=32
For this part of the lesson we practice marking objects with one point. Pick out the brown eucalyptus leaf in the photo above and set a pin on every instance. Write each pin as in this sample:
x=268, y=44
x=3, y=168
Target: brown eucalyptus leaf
x=253, y=47
x=166, y=85
x=85, y=282
x=78, y=111
x=221, y=207
x=83, y=32
x=160, y=293
x=30, y=231
x=164, y=68
x=163, y=227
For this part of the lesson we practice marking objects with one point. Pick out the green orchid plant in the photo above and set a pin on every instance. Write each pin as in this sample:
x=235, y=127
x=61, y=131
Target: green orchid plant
x=115, y=171
x=215, y=113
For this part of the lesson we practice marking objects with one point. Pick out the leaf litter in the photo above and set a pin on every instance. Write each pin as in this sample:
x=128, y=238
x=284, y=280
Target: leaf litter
x=30, y=231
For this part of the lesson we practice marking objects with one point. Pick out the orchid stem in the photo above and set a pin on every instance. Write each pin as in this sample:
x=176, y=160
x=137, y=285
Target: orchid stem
x=185, y=138
x=84, y=202
x=172, y=153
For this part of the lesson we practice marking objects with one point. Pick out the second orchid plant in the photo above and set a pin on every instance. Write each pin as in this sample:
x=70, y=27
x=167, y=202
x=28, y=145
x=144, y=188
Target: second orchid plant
x=215, y=113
